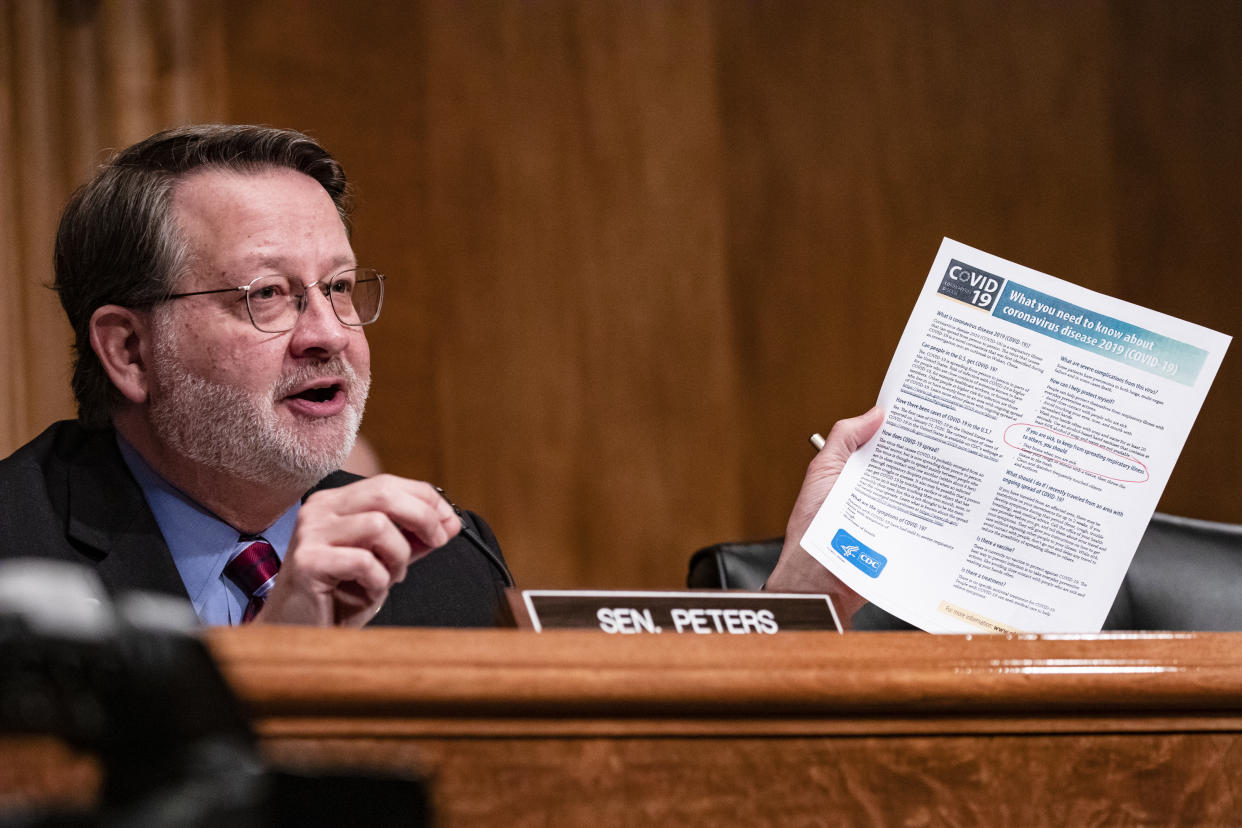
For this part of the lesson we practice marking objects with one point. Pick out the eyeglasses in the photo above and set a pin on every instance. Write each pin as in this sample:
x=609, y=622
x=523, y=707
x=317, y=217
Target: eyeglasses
x=275, y=302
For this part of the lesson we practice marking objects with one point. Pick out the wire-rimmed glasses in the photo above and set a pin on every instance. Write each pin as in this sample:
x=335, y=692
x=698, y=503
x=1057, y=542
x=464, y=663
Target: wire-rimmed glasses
x=276, y=301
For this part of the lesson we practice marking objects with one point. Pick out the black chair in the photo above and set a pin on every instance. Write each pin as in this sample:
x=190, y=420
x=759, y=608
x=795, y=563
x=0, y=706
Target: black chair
x=1186, y=575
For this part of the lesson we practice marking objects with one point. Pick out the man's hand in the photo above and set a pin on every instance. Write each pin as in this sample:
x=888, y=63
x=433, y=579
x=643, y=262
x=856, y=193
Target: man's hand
x=349, y=547
x=797, y=571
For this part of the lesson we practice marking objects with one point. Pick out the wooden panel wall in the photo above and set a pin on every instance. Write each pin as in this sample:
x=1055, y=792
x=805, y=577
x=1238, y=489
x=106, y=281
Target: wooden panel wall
x=1177, y=137
x=641, y=249
x=859, y=135
x=545, y=182
x=78, y=77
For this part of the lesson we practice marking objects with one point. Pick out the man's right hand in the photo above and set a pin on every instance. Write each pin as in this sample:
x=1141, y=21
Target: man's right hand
x=351, y=545
x=797, y=571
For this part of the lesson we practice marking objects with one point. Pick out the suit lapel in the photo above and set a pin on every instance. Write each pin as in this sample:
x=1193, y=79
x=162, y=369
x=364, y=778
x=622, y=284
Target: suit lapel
x=107, y=514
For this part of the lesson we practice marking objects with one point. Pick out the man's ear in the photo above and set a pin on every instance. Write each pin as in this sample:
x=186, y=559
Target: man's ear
x=119, y=338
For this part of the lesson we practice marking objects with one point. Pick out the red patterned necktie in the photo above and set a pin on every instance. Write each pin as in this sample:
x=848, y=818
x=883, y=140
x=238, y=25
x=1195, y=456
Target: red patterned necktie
x=254, y=570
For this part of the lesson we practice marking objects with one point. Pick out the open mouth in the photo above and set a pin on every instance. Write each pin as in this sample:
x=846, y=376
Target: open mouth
x=318, y=400
x=318, y=395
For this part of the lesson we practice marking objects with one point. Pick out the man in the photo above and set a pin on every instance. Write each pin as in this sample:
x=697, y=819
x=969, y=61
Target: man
x=221, y=372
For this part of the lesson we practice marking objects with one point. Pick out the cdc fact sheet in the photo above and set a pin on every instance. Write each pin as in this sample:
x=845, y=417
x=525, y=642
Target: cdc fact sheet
x=1030, y=427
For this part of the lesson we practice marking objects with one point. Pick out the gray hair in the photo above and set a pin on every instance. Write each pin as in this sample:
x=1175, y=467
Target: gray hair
x=119, y=244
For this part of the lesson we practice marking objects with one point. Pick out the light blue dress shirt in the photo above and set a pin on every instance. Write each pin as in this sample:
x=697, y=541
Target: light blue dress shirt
x=201, y=544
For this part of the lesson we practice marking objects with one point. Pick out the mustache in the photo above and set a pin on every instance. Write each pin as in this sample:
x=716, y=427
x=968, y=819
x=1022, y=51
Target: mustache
x=336, y=367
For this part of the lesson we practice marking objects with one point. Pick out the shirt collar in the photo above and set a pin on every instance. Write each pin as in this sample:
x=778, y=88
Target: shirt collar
x=201, y=543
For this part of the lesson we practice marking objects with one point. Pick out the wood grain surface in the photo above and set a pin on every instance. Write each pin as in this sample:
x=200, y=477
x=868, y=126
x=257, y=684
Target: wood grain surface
x=568, y=728
x=574, y=728
x=551, y=679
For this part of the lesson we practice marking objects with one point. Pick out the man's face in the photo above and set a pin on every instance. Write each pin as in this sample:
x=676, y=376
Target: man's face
x=280, y=409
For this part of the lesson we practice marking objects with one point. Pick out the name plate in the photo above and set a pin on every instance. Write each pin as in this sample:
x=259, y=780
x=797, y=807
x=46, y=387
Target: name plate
x=702, y=612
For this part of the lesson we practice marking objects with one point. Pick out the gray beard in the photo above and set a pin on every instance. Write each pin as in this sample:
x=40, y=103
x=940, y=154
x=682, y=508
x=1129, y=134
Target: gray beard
x=238, y=434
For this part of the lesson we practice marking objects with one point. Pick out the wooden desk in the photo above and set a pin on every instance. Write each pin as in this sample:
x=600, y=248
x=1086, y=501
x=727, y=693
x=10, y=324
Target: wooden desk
x=580, y=728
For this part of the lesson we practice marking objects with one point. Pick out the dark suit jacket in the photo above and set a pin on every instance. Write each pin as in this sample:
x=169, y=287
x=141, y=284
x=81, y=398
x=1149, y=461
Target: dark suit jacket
x=68, y=495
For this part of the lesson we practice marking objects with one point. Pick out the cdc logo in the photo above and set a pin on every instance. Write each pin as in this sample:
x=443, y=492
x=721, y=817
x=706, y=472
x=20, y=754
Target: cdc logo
x=863, y=557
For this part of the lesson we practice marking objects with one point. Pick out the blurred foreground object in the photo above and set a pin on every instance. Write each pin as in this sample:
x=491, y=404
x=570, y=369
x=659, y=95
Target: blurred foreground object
x=132, y=683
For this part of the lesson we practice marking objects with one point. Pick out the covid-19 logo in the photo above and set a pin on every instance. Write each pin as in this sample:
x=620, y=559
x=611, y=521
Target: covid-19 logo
x=971, y=285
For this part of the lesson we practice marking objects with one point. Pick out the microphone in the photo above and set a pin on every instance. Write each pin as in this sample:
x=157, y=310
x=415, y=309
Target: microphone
x=478, y=542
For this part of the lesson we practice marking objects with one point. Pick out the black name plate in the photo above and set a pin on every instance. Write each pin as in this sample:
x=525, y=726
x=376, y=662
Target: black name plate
x=702, y=612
